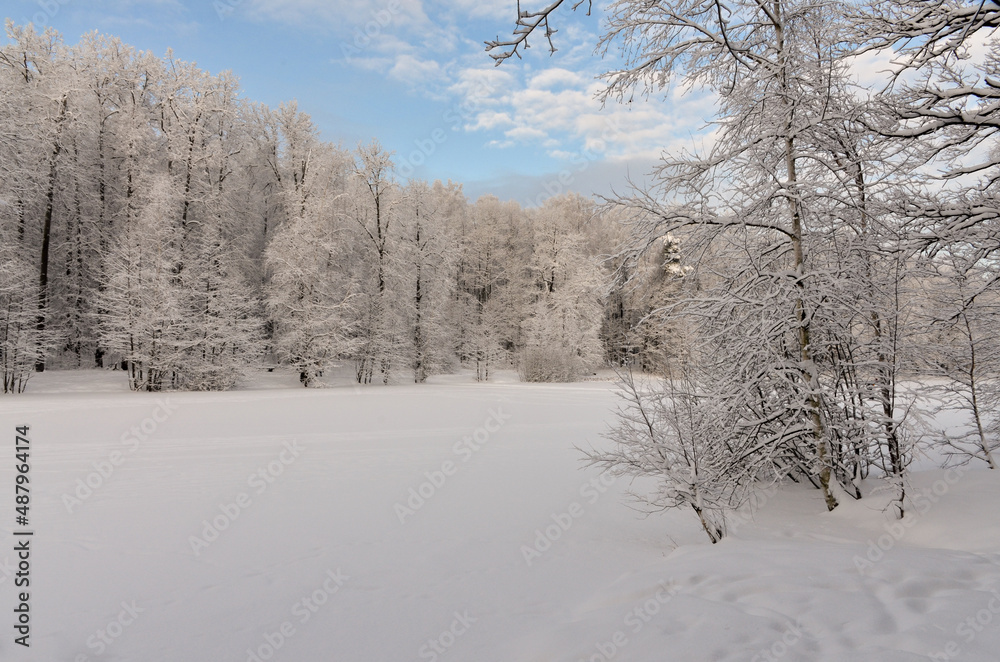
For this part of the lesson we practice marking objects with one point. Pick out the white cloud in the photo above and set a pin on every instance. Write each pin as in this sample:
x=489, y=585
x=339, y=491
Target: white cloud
x=556, y=77
x=557, y=109
x=872, y=70
x=525, y=134
x=479, y=90
x=413, y=71
x=491, y=119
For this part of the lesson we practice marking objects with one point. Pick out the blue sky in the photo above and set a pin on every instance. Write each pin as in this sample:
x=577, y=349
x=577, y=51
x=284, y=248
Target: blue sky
x=414, y=74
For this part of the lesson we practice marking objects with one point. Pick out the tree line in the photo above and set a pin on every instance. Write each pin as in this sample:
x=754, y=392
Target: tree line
x=154, y=220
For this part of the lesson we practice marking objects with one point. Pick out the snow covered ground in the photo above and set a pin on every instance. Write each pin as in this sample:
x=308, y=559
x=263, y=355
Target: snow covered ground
x=449, y=521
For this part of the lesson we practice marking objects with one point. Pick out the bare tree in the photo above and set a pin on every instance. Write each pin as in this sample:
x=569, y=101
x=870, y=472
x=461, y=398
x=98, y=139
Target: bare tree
x=691, y=441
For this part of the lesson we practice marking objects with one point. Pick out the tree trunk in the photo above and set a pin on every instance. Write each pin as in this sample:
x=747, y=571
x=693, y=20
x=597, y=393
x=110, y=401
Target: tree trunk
x=43, y=270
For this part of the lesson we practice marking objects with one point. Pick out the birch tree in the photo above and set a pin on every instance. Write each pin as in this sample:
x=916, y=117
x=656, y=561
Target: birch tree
x=772, y=67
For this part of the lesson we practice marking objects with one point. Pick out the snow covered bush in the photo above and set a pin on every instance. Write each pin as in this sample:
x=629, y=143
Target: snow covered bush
x=548, y=363
x=561, y=337
x=961, y=314
x=686, y=438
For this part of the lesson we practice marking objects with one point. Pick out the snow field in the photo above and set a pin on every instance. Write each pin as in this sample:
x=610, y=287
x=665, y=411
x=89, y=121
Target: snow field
x=452, y=522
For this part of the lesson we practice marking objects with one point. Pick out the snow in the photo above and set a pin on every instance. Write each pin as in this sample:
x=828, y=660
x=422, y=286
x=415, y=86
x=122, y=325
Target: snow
x=453, y=580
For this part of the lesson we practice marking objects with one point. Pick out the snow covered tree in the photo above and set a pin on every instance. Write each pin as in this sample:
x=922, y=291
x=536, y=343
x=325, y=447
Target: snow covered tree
x=34, y=69
x=173, y=228
x=427, y=278
x=639, y=328
x=223, y=321
x=961, y=311
x=775, y=217
x=114, y=141
x=143, y=322
x=22, y=345
x=311, y=293
x=373, y=197
x=774, y=86
x=943, y=113
x=494, y=285
x=561, y=336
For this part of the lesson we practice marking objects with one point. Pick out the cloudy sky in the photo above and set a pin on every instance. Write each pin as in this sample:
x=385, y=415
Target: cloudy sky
x=414, y=74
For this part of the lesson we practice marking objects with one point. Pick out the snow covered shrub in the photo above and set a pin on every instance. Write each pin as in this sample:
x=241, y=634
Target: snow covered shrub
x=548, y=363
x=683, y=436
x=562, y=337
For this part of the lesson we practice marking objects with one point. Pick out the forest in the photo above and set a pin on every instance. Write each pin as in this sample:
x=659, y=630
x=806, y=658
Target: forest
x=155, y=221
